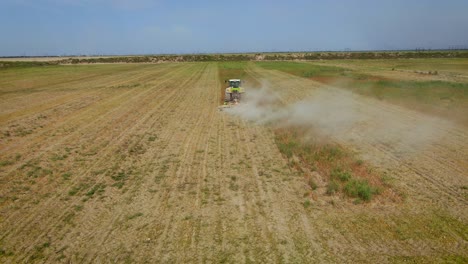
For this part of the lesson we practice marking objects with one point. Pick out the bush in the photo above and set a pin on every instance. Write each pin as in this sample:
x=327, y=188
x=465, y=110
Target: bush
x=287, y=148
x=359, y=188
x=340, y=174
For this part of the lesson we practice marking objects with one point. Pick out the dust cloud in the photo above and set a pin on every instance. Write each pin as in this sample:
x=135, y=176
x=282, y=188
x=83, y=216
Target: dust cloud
x=335, y=114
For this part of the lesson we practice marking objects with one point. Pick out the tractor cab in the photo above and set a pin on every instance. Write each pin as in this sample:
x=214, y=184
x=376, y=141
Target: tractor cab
x=234, y=83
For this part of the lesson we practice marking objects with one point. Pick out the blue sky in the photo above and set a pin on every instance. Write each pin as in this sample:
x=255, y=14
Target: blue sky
x=59, y=27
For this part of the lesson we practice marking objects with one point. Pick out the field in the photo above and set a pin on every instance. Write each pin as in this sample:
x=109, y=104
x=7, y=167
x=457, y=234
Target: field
x=333, y=161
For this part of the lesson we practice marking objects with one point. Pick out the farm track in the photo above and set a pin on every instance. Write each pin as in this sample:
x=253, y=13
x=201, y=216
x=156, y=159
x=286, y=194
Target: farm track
x=138, y=165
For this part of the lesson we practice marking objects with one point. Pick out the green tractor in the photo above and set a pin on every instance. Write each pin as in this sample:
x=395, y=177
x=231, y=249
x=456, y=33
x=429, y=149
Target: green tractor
x=234, y=92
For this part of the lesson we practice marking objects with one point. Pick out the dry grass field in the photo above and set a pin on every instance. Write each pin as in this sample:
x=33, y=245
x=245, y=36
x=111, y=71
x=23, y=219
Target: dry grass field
x=134, y=163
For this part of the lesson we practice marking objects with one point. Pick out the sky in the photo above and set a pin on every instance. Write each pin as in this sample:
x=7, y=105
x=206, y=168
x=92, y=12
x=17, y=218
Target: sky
x=97, y=27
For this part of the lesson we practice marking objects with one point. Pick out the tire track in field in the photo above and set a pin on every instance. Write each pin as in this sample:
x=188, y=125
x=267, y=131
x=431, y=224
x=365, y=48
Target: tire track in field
x=86, y=92
x=179, y=97
x=172, y=149
x=190, y=169
x=83, y=119
x=118, y=216
x=171, y=230
x=129, y=120
x=31, y=96
x=85, y=79
x=94, y=95
x=33, y=106
x=140, y=123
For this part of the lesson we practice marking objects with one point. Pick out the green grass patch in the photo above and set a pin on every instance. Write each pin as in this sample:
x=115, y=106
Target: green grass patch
x=133, y=216
x=444, y=98
x=66, y=175
x=415, y=91
x=288, y=148
x=120, y=179
x=39, y=251
x=5, y=163
x=77, y=188
x=232, y=70
x=38, y=171
x=5, y=253
x=340, y=175
x=57, y=157
x=432, y=224
x=98, y=188
x=303, y=69
x=359, y=189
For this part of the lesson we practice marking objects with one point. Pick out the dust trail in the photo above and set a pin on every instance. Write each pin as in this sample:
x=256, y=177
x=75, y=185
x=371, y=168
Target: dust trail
x=341, y=115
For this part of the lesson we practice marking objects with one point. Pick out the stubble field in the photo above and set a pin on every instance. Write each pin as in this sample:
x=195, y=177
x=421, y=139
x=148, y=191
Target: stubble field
x=126, y=163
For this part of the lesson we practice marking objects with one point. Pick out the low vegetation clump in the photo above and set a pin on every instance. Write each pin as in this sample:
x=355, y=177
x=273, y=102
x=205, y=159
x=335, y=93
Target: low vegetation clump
x=120, y=179
x=336, y=165
x=135, y=215
x=340, y=174
x=98, y=188
x=359, y=189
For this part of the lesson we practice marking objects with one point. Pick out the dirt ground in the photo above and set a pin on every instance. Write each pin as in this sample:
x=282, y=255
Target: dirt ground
x=135, y=163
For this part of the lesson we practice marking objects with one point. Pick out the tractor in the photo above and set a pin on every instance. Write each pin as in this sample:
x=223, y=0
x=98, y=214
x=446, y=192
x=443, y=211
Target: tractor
x=234, y=92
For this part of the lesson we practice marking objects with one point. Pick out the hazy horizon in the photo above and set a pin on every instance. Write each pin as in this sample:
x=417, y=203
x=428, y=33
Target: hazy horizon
x=125, y=27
